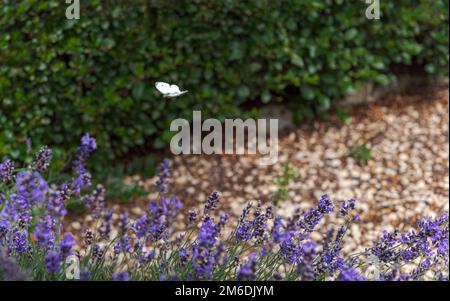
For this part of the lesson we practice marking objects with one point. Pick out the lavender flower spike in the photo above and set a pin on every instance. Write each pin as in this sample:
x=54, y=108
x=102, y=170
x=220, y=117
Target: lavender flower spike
x=42, y=160
x=164, y=175
x=211, y=203
x=10, y=270
x=6, y=170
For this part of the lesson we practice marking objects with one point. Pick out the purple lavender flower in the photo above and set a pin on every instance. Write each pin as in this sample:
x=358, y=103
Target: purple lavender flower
x=87, y=146
x=124, y=243
x=20, y=241
x=6, y=170
x=82, y=180
x=429, y=242
x=329, y=259
x=192, y=216
x=279, y=236
x=164, y=175
x=88, y=143
x=203, y=253
x=352, y=203
x=265, y=251
x=244, y=228
x=83, y=177
x=440, y=276
x=245, y=212
x=43, y=233
x=277, y=276
x=259, y=224
x=117, y=248
x=290, y=250
x=167, y=207
x=255, y=228
x=146, y=257
x=19, y=207
x=85, y=275
x=140, y=226
x=349, y=274
x=344, y=209
x=55, y=202
x=184, y=258
x=52, y=262
x=347, y=206
x=383, y=247
x=305, y=266
x=96, y=201
x=433, y=233
x=123, y=276
x=105, y=227
x=294, y=220
x=67, y=242
x=42, y=160
x=10, y=270
x=7, y=214
x=223, y=219
x=269, y=212
x=244, y=231
x=98, y=252
x=247, y=272
x=311, y=218
x=408, y=255
x=30, y=190
x=392, y=275
x=4, y=226
x=211, y=203
x=159, y=217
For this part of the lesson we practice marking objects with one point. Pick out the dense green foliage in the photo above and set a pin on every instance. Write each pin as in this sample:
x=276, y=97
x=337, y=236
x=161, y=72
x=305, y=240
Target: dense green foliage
x=61, y=78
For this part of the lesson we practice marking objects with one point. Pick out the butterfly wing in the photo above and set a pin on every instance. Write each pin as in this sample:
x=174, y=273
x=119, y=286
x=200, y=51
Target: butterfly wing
x=163, y=88
x=174, y=89
x=168, y=90
x=176, y=94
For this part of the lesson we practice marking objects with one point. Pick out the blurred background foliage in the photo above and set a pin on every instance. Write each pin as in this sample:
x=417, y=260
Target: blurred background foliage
x=61, y=78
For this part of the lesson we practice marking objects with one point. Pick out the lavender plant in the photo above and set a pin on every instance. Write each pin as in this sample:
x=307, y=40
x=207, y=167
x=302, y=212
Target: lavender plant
x=161, y=245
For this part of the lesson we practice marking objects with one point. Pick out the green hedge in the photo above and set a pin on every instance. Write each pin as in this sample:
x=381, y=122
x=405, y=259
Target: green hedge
x=60, y=78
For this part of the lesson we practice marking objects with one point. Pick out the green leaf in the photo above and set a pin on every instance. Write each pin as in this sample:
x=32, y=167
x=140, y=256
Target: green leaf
x=266, y=97
x=243, y=91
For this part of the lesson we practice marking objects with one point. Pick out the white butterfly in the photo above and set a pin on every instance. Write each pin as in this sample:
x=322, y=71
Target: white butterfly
x=168, y=90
